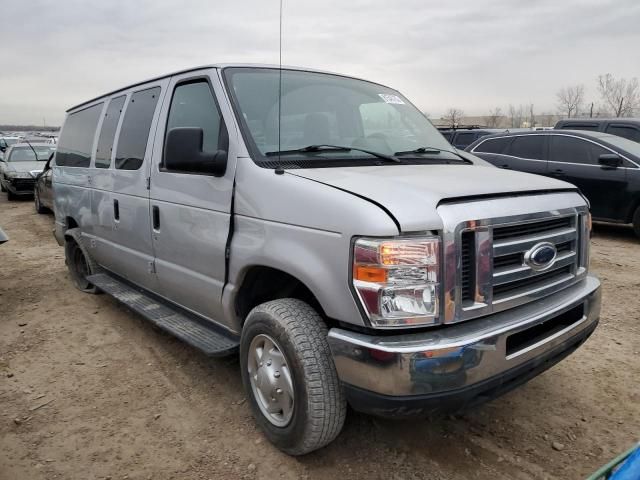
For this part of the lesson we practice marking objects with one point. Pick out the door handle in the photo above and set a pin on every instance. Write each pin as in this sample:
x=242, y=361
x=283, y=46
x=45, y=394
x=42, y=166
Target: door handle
x=116, y=209
x=155, y=214
x=505, y=167
x=557, y=172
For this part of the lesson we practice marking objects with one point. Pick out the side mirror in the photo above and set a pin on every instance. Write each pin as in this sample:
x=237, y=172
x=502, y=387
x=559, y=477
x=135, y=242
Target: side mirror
x=183, y=153
x=3, y=149
x=610, y=161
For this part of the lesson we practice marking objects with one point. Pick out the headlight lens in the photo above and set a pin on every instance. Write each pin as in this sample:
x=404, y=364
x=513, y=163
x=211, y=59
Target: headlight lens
x=397, y=280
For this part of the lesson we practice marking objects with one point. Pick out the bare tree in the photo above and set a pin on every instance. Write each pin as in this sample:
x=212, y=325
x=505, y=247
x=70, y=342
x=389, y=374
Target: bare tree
x=516, y=115
x=453, y=116
x=620, y=96
x=494, y=118
x=570, y=100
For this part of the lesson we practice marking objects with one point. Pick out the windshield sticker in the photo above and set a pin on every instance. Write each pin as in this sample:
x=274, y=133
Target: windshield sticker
x=391, y=98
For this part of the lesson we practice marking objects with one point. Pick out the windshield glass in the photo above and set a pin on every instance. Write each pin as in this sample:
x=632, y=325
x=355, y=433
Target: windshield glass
x=26, y=154
x=324, y=109
x=10, y=141
x=629, y=145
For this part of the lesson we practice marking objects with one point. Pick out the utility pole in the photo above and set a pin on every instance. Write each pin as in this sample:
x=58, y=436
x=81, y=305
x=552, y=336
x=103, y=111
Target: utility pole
x=591, y=111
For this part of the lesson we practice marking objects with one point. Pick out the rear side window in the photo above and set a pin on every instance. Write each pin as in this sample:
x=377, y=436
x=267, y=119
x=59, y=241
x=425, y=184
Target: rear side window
x=494, y=145
x=447, y=135
x=464, y=139
x=108, y=132
x=193, y=105
x=76, y=140
x=527, y=146
x=575, y=150
x=593, y=127
x=632, y=133
x=134, y=133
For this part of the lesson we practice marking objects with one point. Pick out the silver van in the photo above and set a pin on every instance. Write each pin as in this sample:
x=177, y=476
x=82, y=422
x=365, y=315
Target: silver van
x=320, y=226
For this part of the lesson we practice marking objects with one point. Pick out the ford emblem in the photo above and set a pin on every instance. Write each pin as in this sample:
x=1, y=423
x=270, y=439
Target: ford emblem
x=541, y=256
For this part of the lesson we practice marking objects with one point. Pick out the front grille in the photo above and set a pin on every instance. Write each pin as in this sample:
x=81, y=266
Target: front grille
x=511, y=275
x=23, y=184
x=494, y=270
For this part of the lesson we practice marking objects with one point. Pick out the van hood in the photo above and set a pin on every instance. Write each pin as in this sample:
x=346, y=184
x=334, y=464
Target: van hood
x=411, y=193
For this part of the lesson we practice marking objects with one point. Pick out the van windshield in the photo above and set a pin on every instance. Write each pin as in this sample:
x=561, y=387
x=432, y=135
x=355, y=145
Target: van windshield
x=319, y=109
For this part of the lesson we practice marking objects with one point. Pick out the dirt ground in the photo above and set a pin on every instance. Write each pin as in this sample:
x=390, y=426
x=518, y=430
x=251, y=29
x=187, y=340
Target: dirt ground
x=88, y=390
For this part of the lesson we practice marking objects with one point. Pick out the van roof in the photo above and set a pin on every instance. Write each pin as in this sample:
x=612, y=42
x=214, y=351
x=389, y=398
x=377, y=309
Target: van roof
x=213, y=65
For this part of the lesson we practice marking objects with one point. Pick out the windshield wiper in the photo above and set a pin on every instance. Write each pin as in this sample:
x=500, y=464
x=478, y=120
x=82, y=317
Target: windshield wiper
x=34, y=150
x=419, y=150
x=432, y=151
x=332, y=148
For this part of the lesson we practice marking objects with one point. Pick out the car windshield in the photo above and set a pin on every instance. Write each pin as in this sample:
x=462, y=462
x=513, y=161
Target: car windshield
x=320, y=109
x=27, y=154
x=624, y=143
x=10, y=141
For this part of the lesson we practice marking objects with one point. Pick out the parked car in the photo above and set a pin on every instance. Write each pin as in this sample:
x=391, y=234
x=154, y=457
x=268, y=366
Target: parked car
x=6, y=142
x=20, y=166
x=462, y=138
x=623, y=127
x=605, y=168
x=43, y=191
x=347, y=251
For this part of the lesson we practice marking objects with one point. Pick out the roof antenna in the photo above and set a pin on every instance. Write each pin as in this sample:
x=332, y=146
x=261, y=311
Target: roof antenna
x=279, y=170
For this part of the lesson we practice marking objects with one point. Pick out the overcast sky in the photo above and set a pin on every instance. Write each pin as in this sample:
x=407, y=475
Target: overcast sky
x=471, y=54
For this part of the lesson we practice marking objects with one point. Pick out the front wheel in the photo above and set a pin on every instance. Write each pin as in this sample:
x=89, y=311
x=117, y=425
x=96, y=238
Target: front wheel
x=289, y=376
x=38, y=204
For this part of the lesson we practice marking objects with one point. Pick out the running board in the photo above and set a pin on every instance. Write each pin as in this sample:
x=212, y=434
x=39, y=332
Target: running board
x=210, y=339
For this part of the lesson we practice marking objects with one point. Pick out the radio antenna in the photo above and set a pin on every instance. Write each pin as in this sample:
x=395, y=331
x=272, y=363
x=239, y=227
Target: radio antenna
x=280, y=86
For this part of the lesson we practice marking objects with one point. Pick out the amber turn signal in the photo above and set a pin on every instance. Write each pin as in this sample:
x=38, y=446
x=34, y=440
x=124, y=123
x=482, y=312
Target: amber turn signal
x=370, y=274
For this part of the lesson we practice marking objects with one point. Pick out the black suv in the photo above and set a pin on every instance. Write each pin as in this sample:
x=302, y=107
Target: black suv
x=622, y=127
x=605, y=168
x=461, y=138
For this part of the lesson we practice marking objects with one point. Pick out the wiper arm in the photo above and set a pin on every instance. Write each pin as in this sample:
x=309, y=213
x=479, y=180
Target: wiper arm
x=332, y=148
x=31, y=147
x=432, y=151
x=419, y=150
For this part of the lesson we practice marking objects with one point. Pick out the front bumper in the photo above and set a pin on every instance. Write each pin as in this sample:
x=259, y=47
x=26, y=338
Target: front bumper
x=454, y=367
x=20, y=186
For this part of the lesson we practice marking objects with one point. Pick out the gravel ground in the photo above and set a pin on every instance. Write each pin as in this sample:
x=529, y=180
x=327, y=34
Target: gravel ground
x=88, y=390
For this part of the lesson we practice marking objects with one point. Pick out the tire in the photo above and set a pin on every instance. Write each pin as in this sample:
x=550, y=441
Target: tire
x=318, y=406
x=636, y=222
x=11, y=195
x=2, y=189
x=39, y=208
x=79, y=262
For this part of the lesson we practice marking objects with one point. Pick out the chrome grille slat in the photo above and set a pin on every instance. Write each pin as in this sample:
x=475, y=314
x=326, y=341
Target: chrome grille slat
x=507, y=275
x=524, y=243
x=536, y=292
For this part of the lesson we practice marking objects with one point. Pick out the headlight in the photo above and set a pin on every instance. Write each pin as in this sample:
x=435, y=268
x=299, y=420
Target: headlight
x=397, y=280
x=11, y=175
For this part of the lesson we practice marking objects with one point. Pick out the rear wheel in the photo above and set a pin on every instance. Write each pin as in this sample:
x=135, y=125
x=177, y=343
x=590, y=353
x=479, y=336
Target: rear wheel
x=636, y=222
x=79, y=262
x=289, y=376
